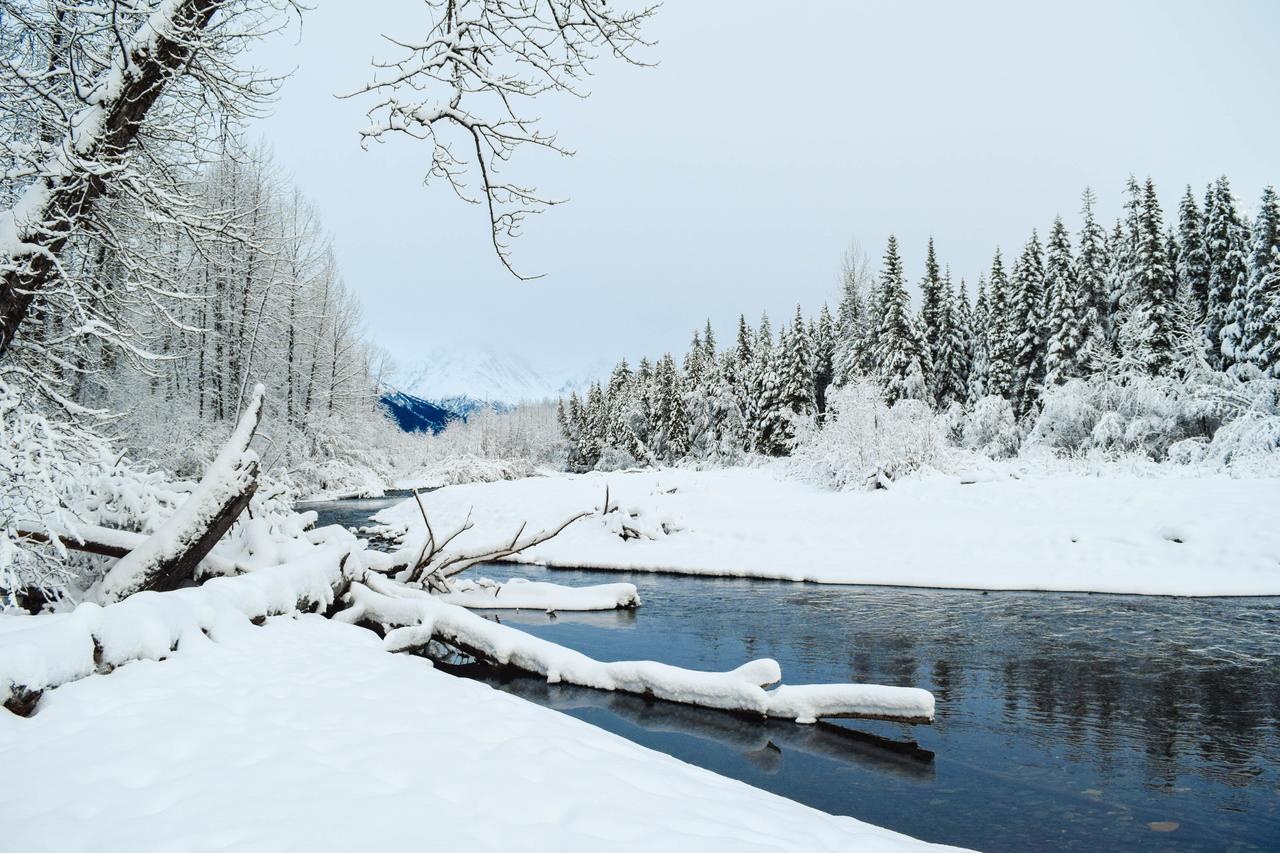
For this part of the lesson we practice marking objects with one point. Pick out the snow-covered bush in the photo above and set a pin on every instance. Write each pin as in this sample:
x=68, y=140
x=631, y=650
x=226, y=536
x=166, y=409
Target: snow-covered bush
x=613, y=459
x=866, y=443
x=991, y=429
x=458, y=470
x=1190, y=415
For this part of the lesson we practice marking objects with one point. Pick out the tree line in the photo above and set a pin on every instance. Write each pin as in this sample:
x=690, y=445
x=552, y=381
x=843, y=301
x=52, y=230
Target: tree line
x=1136, y=295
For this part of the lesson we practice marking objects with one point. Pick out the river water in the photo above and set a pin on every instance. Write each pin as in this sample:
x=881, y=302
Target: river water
x=1064, y=721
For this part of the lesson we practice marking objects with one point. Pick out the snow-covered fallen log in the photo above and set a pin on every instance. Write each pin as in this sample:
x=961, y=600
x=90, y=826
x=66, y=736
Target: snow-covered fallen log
x=521, y=594
x=413, y=619
x=49, y=650
x=170, y=555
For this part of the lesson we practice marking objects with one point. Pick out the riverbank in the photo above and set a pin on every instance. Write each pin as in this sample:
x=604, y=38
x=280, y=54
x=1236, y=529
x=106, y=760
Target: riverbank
x=304, y=734
x=1070, y=532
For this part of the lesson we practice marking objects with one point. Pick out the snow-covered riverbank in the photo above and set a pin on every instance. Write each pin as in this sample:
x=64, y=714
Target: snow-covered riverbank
x=1119, y=533
x=304, y=734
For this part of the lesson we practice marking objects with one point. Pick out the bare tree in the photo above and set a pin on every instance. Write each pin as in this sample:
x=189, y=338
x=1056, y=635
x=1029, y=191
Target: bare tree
x=464, y=86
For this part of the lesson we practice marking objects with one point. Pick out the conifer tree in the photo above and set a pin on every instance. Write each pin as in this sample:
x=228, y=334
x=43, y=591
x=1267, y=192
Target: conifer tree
x=900, y=355
x=1001, y=344
x=979, y=345
x=1070, y=316
x=670, y=421
x=1193, y=259
x=1225, y=240
x=1152, y=308
x=796, y=368
x=1027, y=312
x=595, y=423
x=823, y=340
x=963, y=347
x=852, y=354
x=1261, y=340
x=1092, y=265
x=935, y=337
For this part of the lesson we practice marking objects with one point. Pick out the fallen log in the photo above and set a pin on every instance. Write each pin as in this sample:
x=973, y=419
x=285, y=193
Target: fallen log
x=90, y=538
x=170, y=555
x=412, y=619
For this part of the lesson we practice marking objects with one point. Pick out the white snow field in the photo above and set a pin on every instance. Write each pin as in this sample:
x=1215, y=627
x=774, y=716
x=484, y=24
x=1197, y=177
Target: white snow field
x=303, y=734
x=1119, y=533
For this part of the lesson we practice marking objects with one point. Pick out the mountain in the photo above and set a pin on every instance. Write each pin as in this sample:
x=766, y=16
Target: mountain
x=461, y=380
x=414, y=414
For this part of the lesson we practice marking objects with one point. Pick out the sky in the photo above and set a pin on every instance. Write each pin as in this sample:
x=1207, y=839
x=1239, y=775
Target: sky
x=732, y=176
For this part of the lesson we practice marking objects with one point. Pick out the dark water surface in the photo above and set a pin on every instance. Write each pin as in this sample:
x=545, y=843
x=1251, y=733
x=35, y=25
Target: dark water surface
x=1065, y=721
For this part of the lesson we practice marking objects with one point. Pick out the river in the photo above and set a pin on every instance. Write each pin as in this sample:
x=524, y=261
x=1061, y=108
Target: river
x=1064, y=721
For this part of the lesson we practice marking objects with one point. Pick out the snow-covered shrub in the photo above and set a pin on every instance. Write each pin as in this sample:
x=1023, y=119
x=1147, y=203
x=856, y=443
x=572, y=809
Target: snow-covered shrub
x=866, y=443
x=1188, y=451
x=458, y=470
x=991, y=429
x=613, y=459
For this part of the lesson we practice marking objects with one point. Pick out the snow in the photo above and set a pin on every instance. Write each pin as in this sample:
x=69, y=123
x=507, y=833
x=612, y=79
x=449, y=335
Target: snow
x=303, y=734
x=518, y=593
x=416, y=617
x=1063, y=530
x=37, y=653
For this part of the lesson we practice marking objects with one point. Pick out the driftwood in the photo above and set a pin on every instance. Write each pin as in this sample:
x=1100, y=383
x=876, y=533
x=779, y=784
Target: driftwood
x=103, y=541
x=169, y=557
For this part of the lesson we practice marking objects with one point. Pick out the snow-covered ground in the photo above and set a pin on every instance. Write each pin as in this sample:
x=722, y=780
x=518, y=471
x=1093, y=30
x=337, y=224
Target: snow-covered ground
x=1120, y=532
x=303, y=734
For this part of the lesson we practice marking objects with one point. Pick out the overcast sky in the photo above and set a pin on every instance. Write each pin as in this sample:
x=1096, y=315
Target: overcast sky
x=731, y=177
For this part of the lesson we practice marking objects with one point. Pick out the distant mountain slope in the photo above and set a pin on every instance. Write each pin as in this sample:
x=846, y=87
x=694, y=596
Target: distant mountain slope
x=414, y=414
x=461, y=379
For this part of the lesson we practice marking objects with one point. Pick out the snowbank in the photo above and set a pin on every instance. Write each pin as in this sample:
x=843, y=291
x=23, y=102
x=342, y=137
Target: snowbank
x=42, y=652
x=1018, y=529
x=518, y=593
x=304, y=735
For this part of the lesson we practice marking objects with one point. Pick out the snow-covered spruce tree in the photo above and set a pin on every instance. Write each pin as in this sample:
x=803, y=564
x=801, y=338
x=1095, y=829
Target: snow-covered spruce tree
x=771, y=427
x=1027, y=312
x=795, y=368
x=934, y=317
x=900, y=355
x=1071, y=319
x=1001, y=341
x=964, y=347
x=1261, y=337
x=1193, y=259
x=1148, y=337
x=668, y=421
x=743, y=379
x=979, y=346
x=1092, y=266
x=1225, y=241
x=822, y=336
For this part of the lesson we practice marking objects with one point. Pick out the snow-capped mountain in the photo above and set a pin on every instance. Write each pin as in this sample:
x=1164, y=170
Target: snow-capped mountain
x=466, y=377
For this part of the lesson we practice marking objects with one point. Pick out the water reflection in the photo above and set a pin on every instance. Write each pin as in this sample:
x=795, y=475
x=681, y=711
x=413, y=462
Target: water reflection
x=1065, y=721
x=765, y=743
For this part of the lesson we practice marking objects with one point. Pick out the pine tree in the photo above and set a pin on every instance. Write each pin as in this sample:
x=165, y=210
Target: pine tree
x=796, y=368
x=670, y=421
x=1001, y=344
x=694, y=362
x=935, y=336
x=979, y=346
x=1092, y=266
x=1070, y=316
x=1225, y=239
x=823, y=339
x=620, y=404
x=769, y=430
x=741, y=377
x=963, y=348
x=1027, y=313
x=1193, y=259
x=1261, y=340
x=900, y=355
x=595, y=426
x=1152, y=307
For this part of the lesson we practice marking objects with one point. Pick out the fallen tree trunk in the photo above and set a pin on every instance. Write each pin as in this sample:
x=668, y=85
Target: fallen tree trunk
x=411, y=619
x=169, y=556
